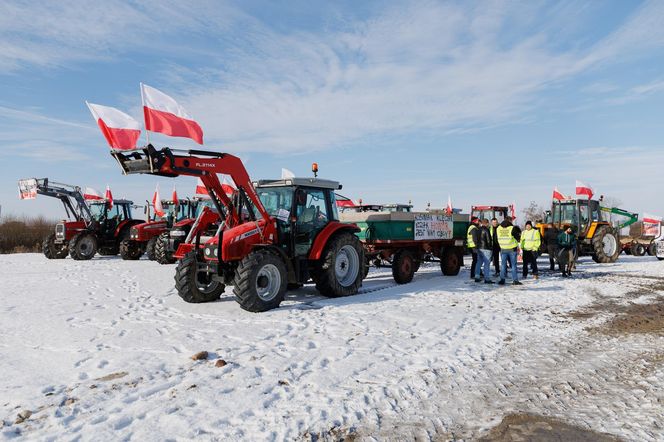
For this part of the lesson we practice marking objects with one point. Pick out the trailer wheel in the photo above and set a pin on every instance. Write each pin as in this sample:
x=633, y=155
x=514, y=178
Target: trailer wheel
x=605, y=245
x=260, y=281
x=450, y=262
x=652, y=249
x=161, y=252
x=52, y=250
x=628, y=250
x=130, y=250
x=339, y=272
x=193, y=284
x=638, y=249
x=149, y=248
x=403, y=266
x=83, y=246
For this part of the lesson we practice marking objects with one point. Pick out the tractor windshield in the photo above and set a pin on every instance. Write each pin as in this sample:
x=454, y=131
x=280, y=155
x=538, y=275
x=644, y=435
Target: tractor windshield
x=565, y=213
x=98, y=210
x=276, y=200
x=204, y=203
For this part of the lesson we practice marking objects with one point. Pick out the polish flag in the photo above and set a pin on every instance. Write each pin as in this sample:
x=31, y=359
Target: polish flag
x=174, y=197
x=120, y=130
x=449, y=210
x=156, y=203
x=109, y=197
x=343, y=201
x=164, y=115
x=201, y=190
x=286, y=174
x=92, y=195
x=227, y=186
x=513, y=211
x=583, y=189
x=557, y=195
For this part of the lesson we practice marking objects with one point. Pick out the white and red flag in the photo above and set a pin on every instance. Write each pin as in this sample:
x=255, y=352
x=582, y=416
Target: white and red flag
x=201, y=190
x=174, y=197
x=109, y=197
x=343, y=201
x=584, y=189
x=557, y=195
x=513, y=211
x=164, y=115
x=120, y=130
x=156, y=203
x=227, y=186
x=286, y=174
x=449, y=208
x=91, y=194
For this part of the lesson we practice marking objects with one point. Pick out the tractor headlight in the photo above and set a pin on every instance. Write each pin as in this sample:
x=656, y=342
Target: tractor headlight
x=177, y=233
x=216, y=252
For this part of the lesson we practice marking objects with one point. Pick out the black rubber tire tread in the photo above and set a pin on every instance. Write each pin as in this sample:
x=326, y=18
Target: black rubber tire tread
x=450, y=262
x=75, y=253
x=108, y=251
x=652, y=249
x=403, y=266
x=326, y=280
x=244, y=283
x=639, y=250
x=149, y=248
x=365, y=269
x=185, y=282
x=130, y=250
x=628, y=250
x=599, y=256
x=52, y=250
x=161, y=253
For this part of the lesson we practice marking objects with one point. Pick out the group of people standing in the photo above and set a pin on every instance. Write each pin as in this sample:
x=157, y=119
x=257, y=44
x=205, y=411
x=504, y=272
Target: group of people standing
x=491, y=242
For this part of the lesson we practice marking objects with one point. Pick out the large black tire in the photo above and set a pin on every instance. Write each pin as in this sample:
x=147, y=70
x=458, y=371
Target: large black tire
x=638, y=249
x=194, y=286
x=403, y=266
x=83, y=246
x=161, y=253
x=339, y=271
x=652, y=249
x=260, y=281
x=605, y=245
x=450, y=262
x=627, y=250
x=149, y=248
x=130, y=250
x=109, y=251
x=52, y=250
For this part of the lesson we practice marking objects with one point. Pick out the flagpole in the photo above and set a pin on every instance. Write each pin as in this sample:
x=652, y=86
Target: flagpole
x=147, y=132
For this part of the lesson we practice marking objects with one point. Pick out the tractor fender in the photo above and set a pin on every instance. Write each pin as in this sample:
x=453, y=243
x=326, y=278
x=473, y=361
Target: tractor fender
x=126, y=225
x=324, y=236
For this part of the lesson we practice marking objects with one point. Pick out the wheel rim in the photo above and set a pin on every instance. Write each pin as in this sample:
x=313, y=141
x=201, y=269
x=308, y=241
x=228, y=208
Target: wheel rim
x=406, y=265
x=205, y=284
x=347, y=265
x=268, y=282
x=609, y=244
x=86, y=245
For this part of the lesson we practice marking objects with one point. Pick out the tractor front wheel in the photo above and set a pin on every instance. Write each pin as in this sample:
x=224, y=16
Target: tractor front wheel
x=83, y=246
x=130, y=250
x=260, y=281
x=340, y=270
x=52, y=250
x=149, y=248
x=195, y=285
x=162, y=254
x=403, y=267
x=605, y=245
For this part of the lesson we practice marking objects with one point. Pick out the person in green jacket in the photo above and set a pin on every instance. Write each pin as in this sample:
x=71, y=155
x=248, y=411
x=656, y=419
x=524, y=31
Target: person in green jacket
x=566, y=244
x=530, y=245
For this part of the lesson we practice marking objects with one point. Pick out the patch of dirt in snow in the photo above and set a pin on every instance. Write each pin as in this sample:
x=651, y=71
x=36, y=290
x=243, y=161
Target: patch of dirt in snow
x=638, y=318
x=526, y=427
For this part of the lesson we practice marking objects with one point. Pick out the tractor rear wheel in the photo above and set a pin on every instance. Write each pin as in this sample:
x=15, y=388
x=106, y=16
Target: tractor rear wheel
x=605, y=245
x=149, y=248
x=260, y=281
x=193, y=284
x=340, y=270
x=83, y=246
x=130, y=250
x=638, y=249
x=450, y=262
x=403, y=267
x=161, y=252
x=652, y=249
x=52, y=250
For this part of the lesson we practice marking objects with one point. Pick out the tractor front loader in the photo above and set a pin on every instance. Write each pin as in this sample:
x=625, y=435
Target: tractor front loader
x=272, y=233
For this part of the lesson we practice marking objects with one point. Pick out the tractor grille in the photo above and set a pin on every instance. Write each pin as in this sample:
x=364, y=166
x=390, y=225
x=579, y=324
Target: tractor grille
x=60, y=231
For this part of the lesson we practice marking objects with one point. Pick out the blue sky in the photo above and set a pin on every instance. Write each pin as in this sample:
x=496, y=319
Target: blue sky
x=491, y=102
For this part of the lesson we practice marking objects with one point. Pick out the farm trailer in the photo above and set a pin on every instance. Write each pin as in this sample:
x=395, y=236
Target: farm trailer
x=406, y=239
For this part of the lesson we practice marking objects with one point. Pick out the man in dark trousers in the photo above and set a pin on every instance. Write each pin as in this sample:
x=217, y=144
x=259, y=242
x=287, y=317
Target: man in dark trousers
x=508, y=238
x=567, y=244
x=530, y=245
x=496, y=247
x=484, y=251
x=472, y=241
x=551, y=240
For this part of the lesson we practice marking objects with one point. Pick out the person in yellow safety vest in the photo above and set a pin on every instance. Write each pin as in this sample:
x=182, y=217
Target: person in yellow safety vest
x=530, y=244
x=508, y=239
x=472, y=242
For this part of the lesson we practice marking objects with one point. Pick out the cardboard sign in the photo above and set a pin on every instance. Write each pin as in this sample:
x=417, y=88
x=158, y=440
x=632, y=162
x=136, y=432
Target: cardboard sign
x=432, y=226
x=27, y=189
x=651, y=229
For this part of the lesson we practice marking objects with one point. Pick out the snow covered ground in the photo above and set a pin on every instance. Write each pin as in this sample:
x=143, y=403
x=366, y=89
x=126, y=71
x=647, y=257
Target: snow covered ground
x=101, y=350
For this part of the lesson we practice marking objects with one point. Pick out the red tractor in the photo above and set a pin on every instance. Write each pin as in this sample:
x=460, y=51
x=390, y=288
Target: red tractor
x=272, y=234
x=93, y=226
x=145, y=236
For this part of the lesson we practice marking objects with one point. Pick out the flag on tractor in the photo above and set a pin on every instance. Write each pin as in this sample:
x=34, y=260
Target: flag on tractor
x=343, y=201
x=201, y=190
x=227, y=186
x=174, y=197
x=557, y=195
x=156, y=203
x=449, y=210
x=164, y=115
x=584, y=189
x=109, y=197
x=513, y=211
x=120, y=130
x=91, y=194
x=286, y=174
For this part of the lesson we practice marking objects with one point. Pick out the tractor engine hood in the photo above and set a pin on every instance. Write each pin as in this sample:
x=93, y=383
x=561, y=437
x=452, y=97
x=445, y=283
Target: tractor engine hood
x=238, y=241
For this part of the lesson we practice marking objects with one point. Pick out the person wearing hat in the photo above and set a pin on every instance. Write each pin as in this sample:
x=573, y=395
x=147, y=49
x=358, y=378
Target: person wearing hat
x=530, y=244
x=484, y=251
x=472, y=242
x=567, y=244
x=508, y=237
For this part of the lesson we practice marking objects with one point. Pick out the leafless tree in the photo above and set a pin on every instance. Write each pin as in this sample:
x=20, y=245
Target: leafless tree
x=534, y=212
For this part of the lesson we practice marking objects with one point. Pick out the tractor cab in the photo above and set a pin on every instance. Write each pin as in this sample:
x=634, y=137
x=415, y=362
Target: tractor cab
x=579, y=214
x=489, y=212
x=110, y=217
x=302, y=208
